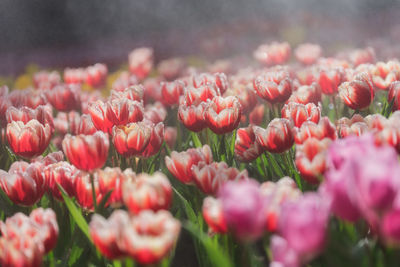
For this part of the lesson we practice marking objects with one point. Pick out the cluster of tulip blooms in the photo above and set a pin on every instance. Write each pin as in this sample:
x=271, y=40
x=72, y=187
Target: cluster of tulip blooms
x=279, y=161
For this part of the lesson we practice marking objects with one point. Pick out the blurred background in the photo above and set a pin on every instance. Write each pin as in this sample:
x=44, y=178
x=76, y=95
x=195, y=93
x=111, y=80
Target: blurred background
x=78, y=33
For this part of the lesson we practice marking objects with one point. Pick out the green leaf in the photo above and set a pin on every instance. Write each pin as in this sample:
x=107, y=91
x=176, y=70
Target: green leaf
x=215, y=253
x=76, y=214
x=196, y=140
x=76, y=252
x=188, y=208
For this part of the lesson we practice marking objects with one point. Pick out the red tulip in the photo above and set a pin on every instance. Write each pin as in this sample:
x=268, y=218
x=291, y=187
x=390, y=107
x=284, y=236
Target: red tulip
x=329, y=79
x=147, y=192
x=125, y=80
x=5, y=103
x=361, y=56
x=308, y=53
x=86, y=152
x=219, y=80
x=141, y=62
x=274, y=86
x=375, y=121
x=132, y=139
x=83, y=190
x=192, y=116
x=180, y=163
x=64, y=97
x=96, y=75
x=358, y=93
x=171, y=68
x=305, y=75
x=61, y=173
x=256, y=116
x=133, y=92
x=194, y=96
x=299, y=113
x=213, y=215
x=51, y=158
x=222, y=115
x=89, y=97
x=170, y=134
x=28, y=97
x=394, y=96
x=47, y=221
x=171, y=91
x=245, y=94
x=307, y=94
x=28, y=139
x=155, y=112
x=324, y=129
x=42, y=114
x=106, y=233
x=355, y=126
x=46, y=79
x=277, y=138
x=24, y=183
x=383, y=74
x=74, y=76
x=310, y=158
x=272, y=54
x=115, y=112
x=149, y=236
x=111, y=179
x=210, y=177
x=246, y=147
x=156, y=140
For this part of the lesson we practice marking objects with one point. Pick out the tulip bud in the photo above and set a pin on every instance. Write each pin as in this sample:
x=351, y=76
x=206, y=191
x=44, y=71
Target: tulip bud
x=192, y=116
x=212, y=213
x=141, y=61
x=61, y=173
x=324, y=129
x=274, y=86
x=132, y=139
x=83, y=190
x=272, y=54
x=247, y=148
x=299, y=113
x=64, y=97
x=394, y=96
x=222, y=115
x=277, y=138
x=329, y=79
x=308, y=53
x=47, y=221
x=96, y=75
x=171, y=91
x=358, y=93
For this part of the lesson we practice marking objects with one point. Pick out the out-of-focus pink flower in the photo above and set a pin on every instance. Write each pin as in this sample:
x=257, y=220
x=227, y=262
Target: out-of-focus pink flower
x=115, y=112
x=152, y=89
x=47, y=221
x=74, y=76
x=243, y=208
x=133, y=92
x=155, y=112
x=329, y=79
x=394, y=95
x=171, y=68
x=28, y=139
x=147, y=192
x=246, y=147
x=390, y=229
x=96, y=75
x=222, y=114
x=64, y=97
x=282, y=254
x=358, y=93
x=86, y=152
x=324, y=129
x=149, y=236
x=106, y=233
x=192, y=116
x=124, y=80
x=209, y=178
x=308, y=53
x=310, y=158
x=274, y=86
x=180, y=163
x=299, y=113
x=171, y=91
x=273, y=53
x=361, y=56
x=307, y=94
x=61, y=173
x=24, y=183
x=132, y=139
x=213, y=215
x=256, y=116
x=83, y=190
x=46, y=79
x=277, y=137
x=303, y=224
x=141, y=61
x=170, y=134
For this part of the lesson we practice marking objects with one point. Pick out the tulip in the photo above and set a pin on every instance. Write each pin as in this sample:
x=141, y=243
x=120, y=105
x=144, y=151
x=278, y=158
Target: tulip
x=28, y=97
x=310, y=158
x=147, y=192
x=299, y=113
x=51, y=158
x=83, y=190
x=106, y=233
x=274, y=86
x=47, y=221
x=245, y=94
x=171, y=91
x=125, y=80
x=141, y=62
x=150, y=236
x=390, y=227
x=324, y=129
x=155, y=112
x=64, y=97
x=74, y=76
x=329, y=79
x=303, y=224
x=61, y=173
x=85, y=125
x=194, y=96
x=111, y=179
x=22, y=251
x=156, y=140
x=115, y=112
x=383, y=75
x=272, y=54
x=170, y=134
x=212, y=213
x=222, y=115
x=86, y=152
x=28, y=139
x=283, y=254
x=132, y=92
x=42, y=114
x=358, y=93
x=24, y=183
x=180, y=163
x=375, y=121
x=355, y=126
x=394, y=96
x=132, y=139
x=247, y=148
x=46, y=79
x=256, y=116
x=67, y=122
x=219, y=80
x=96, y=75
x=362, y=56
x=192, y=116
x=5, y=103
x=308, y=53
x=307, y=94
x=277, y=138
x=171, y=68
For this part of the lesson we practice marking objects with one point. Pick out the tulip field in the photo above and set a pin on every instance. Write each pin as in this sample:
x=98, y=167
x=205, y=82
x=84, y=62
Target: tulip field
x=286, y=158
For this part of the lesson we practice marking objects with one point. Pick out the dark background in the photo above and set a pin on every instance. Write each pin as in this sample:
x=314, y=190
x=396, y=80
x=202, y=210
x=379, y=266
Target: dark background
x=60, y=33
